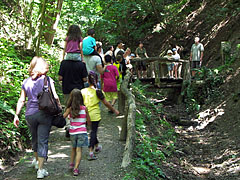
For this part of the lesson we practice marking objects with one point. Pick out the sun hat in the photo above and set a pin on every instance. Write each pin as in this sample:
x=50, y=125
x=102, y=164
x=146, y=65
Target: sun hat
x=169, y=52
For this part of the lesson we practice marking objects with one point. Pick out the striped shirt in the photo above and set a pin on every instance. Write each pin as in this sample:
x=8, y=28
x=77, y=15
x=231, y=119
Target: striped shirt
x=78, y=124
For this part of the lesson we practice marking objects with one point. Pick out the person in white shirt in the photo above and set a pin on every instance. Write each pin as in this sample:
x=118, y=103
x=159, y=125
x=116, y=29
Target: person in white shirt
x=177, y=65
x=119, y=48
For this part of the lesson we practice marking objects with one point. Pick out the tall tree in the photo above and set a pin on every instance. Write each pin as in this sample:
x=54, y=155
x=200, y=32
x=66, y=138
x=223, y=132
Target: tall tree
x=52, y=19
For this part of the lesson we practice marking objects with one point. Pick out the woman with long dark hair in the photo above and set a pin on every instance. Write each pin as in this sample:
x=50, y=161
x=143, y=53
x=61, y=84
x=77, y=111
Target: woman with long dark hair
x=73, y=44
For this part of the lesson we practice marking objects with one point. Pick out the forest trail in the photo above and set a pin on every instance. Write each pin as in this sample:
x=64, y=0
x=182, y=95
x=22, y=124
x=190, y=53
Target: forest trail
x=107, y=166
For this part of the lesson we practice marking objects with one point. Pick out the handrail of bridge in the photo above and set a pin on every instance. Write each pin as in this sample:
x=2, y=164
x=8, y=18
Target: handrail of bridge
x=128, y=131
x=158, y=67
x=153, y=59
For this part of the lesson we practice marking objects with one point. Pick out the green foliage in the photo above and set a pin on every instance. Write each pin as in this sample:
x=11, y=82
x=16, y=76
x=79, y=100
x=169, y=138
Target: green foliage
x=13, y=71
x=151, y=148
x=203, y=90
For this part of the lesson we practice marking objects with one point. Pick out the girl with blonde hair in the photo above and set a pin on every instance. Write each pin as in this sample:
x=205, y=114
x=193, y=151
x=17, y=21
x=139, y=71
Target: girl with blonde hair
x=38, y=121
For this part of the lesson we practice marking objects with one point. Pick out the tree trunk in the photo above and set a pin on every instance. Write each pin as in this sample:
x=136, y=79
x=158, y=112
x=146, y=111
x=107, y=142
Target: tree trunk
x=41, y=28
x=52, y=21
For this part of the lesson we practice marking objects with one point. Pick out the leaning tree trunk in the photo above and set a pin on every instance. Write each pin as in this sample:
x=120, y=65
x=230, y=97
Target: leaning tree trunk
x=41, y=28
x=52, y=21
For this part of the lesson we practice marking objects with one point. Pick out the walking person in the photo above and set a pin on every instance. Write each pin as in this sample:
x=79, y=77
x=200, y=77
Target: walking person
x=73, y=74
x=196, y=55
x=73, y=44
x=91, y=98
x=78, y=115
x=109, y=81
x=38, y=121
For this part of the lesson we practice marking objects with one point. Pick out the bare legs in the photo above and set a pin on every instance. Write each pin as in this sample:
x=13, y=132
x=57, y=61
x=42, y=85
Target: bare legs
x=76, y=155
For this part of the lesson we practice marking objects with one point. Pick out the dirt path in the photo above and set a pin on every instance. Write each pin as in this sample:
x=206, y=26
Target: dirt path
x=106, y=167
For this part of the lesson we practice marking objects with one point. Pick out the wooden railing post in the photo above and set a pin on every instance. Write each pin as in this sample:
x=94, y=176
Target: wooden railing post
x=187, y=72
x=121, y=102
x=129, y=124
x=157, y=73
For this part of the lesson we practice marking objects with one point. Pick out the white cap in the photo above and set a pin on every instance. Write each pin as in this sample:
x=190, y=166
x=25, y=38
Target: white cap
x=169, y=52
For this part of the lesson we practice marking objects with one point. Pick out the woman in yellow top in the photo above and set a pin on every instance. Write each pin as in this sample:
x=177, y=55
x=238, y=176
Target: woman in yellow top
x=91, y=97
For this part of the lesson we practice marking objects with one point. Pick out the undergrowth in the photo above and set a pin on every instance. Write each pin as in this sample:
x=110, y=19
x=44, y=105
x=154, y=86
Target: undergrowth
x=155, y=137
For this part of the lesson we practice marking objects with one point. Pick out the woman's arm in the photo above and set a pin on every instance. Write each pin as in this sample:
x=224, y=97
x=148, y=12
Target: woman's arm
x=110, y=107
x=20, y=104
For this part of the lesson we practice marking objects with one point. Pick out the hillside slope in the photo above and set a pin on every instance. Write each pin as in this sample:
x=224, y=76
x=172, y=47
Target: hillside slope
x=212, y=20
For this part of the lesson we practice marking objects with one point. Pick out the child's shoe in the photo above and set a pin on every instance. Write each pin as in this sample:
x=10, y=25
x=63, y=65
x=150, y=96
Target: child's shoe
x=98, y=149
x=71, y=166
x=41, y=173
x=75, y=172
x=92, y=157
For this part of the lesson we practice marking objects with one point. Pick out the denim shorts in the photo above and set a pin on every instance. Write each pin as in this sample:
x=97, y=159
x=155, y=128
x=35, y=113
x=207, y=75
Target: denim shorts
x=73, y=56
x=170, y=66
x=79, y=140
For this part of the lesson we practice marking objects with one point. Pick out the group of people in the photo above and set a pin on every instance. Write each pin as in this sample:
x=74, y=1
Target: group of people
x=89, y=78
x=84, y=74
x=196, y=57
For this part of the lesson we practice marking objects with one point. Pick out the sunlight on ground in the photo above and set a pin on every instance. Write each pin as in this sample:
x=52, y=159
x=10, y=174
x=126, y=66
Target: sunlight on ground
x=58, y=155
x=119, y=117
x=119, y=129
x=202, y=170
x=209, y=116
x=212, y=34
x=231, y=76
x=192, y=16
x=61, y=131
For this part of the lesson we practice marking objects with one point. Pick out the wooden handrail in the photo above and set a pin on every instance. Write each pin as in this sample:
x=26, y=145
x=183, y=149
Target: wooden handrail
x=154, y=59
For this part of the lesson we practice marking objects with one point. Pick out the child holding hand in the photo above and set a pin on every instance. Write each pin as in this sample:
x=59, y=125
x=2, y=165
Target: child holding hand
x=78, y=115
x=91, y=98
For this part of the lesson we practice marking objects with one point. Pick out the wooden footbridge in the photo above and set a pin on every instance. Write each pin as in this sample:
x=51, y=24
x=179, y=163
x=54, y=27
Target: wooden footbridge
x=157, y=71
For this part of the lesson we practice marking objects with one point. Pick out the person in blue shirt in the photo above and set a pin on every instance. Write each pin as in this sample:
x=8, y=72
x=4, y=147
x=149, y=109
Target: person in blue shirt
x=89, y=46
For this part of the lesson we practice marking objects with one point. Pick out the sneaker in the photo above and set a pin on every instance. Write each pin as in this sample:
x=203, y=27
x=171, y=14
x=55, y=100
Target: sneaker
x=92, y=157
x=75, y=172
x=41, y=173
x=34, y=163
x=71, y=166
x=98, y=149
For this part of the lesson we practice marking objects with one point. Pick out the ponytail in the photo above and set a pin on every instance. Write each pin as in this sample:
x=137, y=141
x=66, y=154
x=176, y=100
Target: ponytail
x=93, y=79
